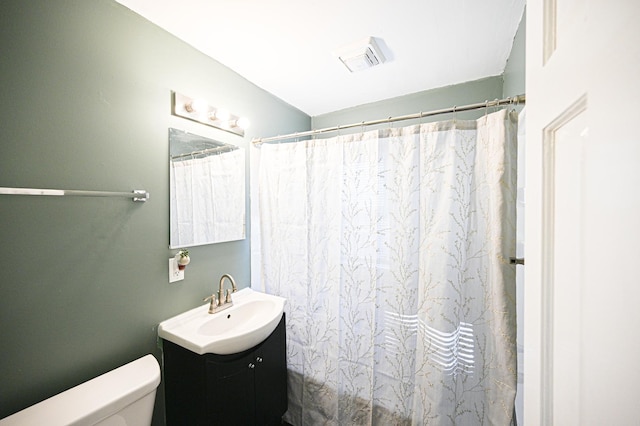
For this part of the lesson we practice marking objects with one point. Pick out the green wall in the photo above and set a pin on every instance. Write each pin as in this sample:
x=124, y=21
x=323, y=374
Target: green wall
x=85, y=90
x=514, y=72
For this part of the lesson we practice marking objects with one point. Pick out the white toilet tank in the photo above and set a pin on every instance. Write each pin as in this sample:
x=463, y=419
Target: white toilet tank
x=124, y=396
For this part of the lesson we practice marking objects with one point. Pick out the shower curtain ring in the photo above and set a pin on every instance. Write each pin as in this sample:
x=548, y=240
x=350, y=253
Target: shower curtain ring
x=390, y=122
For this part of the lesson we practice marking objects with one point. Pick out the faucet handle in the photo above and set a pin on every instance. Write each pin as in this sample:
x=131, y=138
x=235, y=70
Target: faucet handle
x=228, y=298
x=213, y=304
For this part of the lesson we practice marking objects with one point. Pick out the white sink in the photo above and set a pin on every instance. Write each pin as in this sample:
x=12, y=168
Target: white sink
x=249, y=321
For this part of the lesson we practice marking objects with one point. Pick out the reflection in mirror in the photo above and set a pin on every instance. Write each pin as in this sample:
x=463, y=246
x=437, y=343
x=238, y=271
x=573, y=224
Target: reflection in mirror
x=207, y=190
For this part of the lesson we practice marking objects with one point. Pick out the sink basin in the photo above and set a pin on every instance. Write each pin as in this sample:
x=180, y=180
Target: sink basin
x=249, y=321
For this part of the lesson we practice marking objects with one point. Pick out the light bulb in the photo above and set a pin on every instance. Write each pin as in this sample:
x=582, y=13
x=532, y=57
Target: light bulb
x=221, y=114
x=243, y=123
x=197, y=105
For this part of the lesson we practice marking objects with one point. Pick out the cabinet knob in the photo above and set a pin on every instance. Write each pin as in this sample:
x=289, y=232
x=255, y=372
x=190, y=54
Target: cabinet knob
x=259, y=359
x=252, y=365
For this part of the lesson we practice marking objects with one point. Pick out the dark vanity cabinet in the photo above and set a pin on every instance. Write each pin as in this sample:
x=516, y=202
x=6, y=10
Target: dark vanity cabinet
x=247, y=388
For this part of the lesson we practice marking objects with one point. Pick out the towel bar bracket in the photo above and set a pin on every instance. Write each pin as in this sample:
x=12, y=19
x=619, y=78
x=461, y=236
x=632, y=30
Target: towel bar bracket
x=143, y=195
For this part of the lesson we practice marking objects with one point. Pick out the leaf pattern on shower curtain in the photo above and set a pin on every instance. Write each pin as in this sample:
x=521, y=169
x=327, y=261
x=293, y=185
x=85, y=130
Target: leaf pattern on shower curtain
x=391, y=248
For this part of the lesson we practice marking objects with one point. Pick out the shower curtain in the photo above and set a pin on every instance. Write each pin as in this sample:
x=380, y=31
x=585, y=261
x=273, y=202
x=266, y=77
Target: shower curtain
x=392, y=248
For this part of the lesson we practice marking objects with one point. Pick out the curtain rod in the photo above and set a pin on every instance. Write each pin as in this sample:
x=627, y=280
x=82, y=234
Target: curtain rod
x=520, y=99
x=216, y=150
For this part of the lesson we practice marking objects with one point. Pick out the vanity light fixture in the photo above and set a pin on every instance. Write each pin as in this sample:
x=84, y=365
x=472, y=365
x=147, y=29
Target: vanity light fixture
x=199, y=110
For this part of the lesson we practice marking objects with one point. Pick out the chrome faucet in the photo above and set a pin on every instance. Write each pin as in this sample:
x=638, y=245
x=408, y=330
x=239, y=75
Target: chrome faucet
x=221, y=302
x=227, y=298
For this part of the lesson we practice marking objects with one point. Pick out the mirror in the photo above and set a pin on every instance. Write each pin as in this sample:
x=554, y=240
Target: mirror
x=207, y=190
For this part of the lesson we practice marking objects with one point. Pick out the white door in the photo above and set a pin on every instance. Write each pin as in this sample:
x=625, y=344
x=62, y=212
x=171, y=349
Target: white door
x=582, y=272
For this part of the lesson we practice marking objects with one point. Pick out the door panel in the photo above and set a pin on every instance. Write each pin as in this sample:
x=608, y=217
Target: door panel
x=564, y=143
x=582, y=284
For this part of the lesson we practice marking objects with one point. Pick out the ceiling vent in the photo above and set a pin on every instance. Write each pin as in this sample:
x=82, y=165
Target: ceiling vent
x=360, y=55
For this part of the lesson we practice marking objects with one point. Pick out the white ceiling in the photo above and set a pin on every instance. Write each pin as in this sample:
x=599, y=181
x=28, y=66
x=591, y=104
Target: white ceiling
x=285, y=46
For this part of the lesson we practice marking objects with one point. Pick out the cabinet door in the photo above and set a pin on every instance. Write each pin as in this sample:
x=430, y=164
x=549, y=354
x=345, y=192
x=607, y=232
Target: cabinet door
x=184, y=379
x=271, y=378
x=231, y=392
